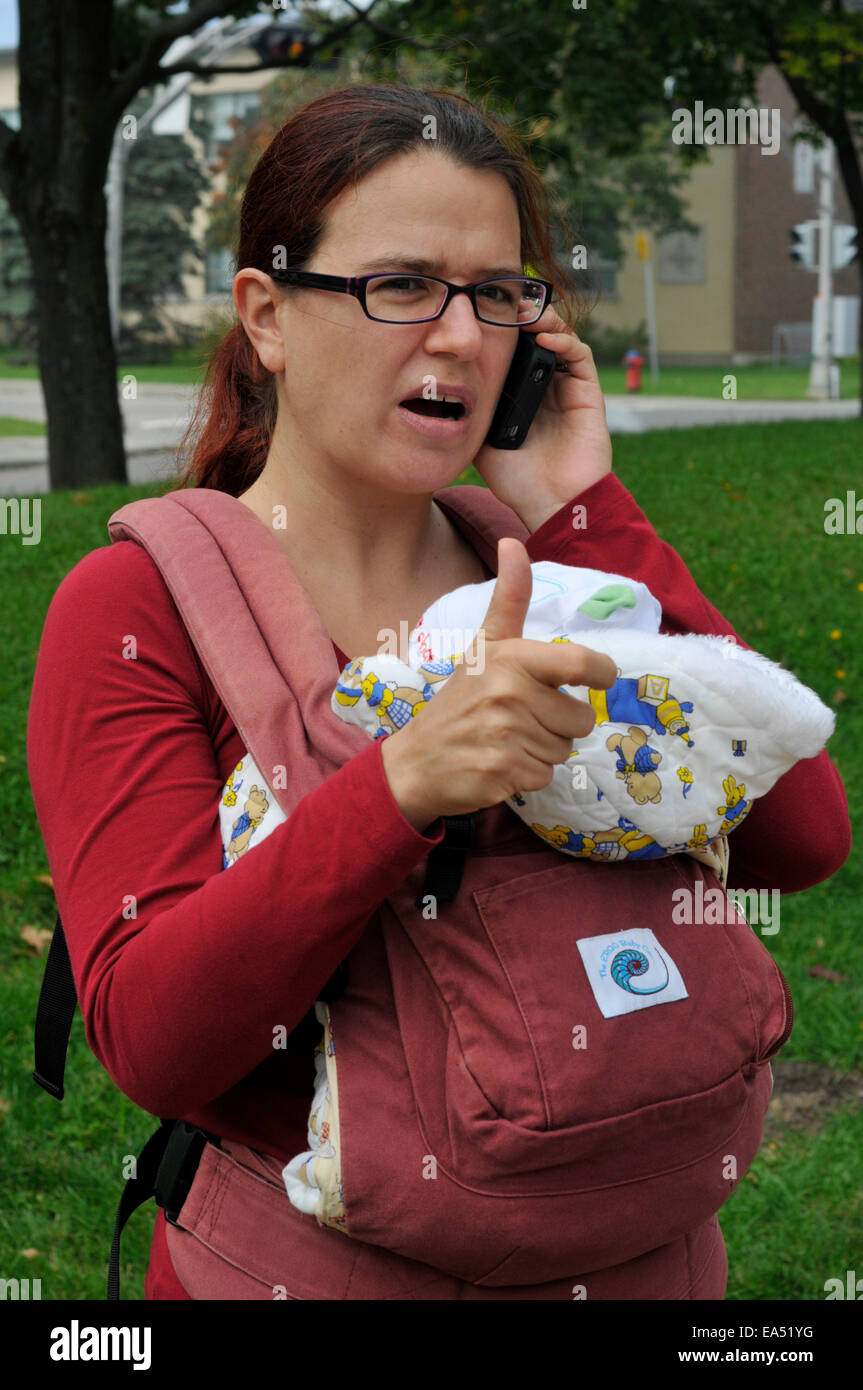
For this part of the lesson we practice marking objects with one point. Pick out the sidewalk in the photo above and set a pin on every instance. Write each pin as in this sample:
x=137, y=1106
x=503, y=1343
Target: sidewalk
x=154, y=424
x=635, y=413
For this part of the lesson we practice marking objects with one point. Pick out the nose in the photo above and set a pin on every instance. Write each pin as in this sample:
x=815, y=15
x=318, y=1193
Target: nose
x=458, y=330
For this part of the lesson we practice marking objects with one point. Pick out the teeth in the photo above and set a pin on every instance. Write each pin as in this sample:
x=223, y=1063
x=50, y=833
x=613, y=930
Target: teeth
x=456, y=400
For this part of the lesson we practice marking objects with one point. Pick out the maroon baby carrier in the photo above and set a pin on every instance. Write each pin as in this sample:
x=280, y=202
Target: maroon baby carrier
x=499, y=1119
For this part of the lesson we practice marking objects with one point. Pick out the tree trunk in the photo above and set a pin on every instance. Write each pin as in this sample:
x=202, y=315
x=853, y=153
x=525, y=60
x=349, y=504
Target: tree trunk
x=77, y=361
x=53, y=175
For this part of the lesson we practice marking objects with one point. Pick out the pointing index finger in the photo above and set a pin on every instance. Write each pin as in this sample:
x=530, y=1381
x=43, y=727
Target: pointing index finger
x=564, y=663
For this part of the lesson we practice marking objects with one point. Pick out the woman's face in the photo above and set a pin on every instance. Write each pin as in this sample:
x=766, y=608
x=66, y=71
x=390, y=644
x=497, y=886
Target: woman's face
x=345, y=375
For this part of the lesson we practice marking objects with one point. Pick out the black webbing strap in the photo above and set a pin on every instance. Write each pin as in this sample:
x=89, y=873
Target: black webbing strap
x=166, y=1165
x=57, y=1000
x=445, y=863
x=164, y=1169
x=138, y=1190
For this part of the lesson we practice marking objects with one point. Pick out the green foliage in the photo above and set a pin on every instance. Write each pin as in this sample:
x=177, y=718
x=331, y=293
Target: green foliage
x=287, y=91
x=597, y=86
x=17, y=314
x=609, y=344
x=594, y=197
x=163, y=185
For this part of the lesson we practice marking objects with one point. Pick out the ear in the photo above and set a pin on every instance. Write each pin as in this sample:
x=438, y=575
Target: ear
x=257, y=299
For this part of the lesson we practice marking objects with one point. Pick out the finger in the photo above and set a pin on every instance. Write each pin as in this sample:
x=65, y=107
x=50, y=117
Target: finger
x=561, y=663
x=564, y=716
x=552, y=716
x=550, y=321
x=551, y=750
x=511, y=595
x=573, y=355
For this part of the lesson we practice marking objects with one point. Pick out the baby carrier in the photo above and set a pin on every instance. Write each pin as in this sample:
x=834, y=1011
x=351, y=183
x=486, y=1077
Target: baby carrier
x=513, y=1105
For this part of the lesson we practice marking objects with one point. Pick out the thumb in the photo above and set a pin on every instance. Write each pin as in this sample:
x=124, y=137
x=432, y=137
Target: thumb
x=512, y=592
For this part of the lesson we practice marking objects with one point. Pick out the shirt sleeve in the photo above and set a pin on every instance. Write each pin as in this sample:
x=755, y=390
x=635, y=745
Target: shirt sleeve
x=183, y=970
x=799, y=833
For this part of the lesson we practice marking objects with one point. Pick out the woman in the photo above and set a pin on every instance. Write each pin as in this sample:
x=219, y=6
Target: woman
x=307, y=421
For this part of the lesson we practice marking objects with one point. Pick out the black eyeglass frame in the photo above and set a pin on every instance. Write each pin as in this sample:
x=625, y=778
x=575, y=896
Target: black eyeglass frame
x=356, y=285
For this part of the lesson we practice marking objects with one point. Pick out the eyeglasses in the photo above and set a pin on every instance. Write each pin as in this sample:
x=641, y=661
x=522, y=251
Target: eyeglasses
x=508, y=302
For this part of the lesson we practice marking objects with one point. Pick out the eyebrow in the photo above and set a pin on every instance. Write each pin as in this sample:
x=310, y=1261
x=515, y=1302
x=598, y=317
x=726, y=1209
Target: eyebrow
x=425, y=267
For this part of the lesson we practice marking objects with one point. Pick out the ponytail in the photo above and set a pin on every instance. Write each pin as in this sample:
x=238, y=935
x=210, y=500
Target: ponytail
x=230, y=432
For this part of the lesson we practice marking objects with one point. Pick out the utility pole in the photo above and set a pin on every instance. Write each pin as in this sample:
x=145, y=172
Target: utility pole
x=821, y=374
x=643, y=249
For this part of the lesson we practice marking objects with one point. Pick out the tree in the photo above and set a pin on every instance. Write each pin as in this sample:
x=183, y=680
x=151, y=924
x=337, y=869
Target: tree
x=610, y=71
x=163, y=185
x=17, y=305
x=81, y=66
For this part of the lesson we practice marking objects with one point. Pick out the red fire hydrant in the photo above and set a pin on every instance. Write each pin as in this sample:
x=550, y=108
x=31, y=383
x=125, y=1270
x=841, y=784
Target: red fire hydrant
x=633, y=362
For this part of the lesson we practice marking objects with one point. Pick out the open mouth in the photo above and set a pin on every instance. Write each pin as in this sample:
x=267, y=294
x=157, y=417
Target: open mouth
x=443, y=409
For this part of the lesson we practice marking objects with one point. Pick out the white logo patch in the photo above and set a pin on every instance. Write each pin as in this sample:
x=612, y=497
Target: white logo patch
x=629, y=971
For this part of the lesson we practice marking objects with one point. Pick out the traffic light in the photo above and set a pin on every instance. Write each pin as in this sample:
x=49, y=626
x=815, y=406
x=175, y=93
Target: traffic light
x=845, y=245
x=803, y=244
x=287, y=43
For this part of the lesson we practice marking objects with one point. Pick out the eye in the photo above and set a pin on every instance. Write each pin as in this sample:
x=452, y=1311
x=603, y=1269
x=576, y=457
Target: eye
x=409, y=283
x=499, y=294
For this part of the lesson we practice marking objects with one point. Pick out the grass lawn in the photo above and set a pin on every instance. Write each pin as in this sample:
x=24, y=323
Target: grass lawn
x=12, y=427
x=745, y=509
x=186, y=366
x=760, y=382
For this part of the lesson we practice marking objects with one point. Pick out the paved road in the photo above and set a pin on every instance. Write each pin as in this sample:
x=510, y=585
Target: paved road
x=154, y=424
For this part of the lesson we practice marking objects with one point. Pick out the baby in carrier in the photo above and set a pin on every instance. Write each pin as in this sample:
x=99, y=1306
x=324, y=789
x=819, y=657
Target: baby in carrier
x=693, y=730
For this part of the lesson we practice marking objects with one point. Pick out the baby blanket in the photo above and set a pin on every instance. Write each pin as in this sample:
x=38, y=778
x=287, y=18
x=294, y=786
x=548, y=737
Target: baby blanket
x=693, y=730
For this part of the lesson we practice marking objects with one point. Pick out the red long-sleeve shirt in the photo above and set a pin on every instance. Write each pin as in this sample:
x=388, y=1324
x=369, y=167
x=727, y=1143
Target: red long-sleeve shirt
x=128, y=759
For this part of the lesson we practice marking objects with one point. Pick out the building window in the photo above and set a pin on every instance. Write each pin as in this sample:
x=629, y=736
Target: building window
x=683, y=258
x=220, y=272
x=218, y=111
x=600, y=276
x=607, y=271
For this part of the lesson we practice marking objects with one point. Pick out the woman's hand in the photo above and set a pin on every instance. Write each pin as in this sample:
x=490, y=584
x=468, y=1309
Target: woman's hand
x=500, y=723
x=568, y=446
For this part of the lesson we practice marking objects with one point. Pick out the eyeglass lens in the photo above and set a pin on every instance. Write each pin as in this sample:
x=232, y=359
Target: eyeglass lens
x=407, y=298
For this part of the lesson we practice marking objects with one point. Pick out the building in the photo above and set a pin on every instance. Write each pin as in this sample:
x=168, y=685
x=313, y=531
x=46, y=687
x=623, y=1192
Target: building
x=721, y=293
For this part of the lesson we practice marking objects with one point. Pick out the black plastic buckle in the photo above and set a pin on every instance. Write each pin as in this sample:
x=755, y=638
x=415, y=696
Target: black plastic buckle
x=178, y=1167
x=445, y=864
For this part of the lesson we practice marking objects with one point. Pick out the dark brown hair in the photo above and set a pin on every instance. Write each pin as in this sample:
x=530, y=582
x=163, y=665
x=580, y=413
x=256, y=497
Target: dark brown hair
x=329, y=144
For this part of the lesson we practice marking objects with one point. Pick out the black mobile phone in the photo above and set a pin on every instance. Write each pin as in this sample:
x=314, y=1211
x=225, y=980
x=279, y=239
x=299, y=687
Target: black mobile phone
x=530, y=372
